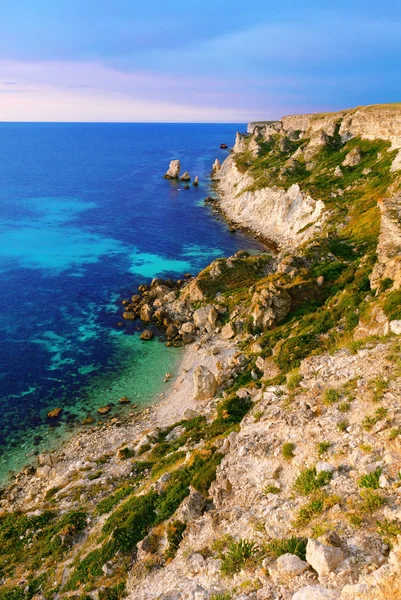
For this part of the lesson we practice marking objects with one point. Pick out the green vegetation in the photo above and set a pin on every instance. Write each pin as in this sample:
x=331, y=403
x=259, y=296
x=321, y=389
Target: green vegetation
x=392, y=305
x=322, y=448
x=239, y=555
x=371, y=501
x=370, y=480
x=331, y=396
x=287, y=450
x=309, y=481
x=175, y=531
x=292, y=545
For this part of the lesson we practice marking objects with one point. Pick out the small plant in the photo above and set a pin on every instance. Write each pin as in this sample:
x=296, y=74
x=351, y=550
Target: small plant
x=344, y=407
x=365, y=448
x=380, y=386
x=370, y=421
x=388, y=530
x=322, y=448
x=293, y=380
x=287, y=450
x=239, y=555
x=307, y=512
x=257, y=415
x=355, y=519
x=292, y=545
x=175, y=531
x=225, y=596
x=271, y=489
x=371, y=501
x=394, y=433
x=370, y=480
x=343, y=425
x=331, y=396
x=309, y=481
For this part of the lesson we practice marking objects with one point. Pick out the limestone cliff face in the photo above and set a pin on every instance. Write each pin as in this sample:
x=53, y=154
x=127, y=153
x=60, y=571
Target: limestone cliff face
x=284, y=212
x=287, y=217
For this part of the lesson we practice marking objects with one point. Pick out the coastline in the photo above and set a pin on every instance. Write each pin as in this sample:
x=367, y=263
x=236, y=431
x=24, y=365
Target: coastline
x=70, y=465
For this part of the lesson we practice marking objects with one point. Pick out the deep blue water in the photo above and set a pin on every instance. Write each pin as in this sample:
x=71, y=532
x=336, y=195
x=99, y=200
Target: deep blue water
x=85, y=216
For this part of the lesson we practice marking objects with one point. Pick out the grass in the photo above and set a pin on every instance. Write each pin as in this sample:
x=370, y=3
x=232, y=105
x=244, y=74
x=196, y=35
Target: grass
x=287, y=450
x=239, y=555
x=291, y=545
x=322, y=447
x=392, y=305
x=371, y=420
x=331, y=396
x=370, y=480
x=371, y=501
x=271, y=489
x=343, y=425
x=309, y=481
x=175, y=531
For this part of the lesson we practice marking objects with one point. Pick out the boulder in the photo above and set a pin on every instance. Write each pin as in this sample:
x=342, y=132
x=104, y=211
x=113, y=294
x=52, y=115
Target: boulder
x=171, y=331
x=290, y=565
x=353, y=158
x=55, y=413
x=204, y=315
x=173, y=170
x=192, y=507
x=103, y=410
x=188, y=327
x=227, y=332
x=196, y=181
x=223, y=146
x=129, y=315
x=205, y=383
x=316, y=592
x=395, y=326
x=270, y=306
x=322, y=466
x=147, y=334
x=324, y=559
x=185, y=176
x=124, y=400
x=146, y=312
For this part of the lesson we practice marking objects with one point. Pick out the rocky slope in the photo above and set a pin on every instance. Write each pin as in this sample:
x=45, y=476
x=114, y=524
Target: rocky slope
x=272, y=470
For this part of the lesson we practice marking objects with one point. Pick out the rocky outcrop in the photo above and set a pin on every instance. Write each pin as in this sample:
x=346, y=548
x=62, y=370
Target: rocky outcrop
x=287, y=217
x=185, y=176
x=205, y=383
x=173, y=170
x=388, y=265
x=216, y=168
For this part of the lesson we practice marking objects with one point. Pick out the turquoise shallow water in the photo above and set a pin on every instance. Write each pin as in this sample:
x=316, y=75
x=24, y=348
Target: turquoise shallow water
x=85, y=216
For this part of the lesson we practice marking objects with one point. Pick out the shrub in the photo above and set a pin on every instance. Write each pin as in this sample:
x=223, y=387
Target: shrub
x=370, y=480
x=343, y=425
x=309, y=481
x=239, y=555
x=287, y=450
x=331, y=396
x=206, y=473
x=388, y=530
x=293, y=380
x=114, y=593
x=292, y=545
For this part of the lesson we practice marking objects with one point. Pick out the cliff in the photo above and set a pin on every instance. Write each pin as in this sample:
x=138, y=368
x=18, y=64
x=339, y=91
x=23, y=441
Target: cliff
x=281, y=176
x=272, y=469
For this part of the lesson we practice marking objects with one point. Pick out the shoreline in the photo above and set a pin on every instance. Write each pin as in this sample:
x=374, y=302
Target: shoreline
x=69, y=465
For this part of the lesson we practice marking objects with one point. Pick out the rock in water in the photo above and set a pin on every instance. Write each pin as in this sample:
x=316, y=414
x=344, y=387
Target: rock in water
x=55, y=413
x=103, y=410
x=223, y=146
x=147, y=334
x=196, y=181
x=185, y=176
x=173, y=170
x=205, y=383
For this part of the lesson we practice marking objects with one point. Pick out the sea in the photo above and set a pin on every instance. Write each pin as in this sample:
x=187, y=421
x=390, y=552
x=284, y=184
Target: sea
x=85, y=217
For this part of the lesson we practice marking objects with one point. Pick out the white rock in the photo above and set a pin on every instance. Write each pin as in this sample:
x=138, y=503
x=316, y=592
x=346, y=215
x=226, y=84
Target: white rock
x=395, y=327
x=322, y=558
x=315, y=592
x=173, y=170
x=205, y=383
x=324, y=466
x=227, y=332
x=291, y=565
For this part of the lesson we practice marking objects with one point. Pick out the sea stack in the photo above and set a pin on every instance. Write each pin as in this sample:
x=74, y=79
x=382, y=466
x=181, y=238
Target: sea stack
x=185, y=176
x=216, y=167
x=173, y=170
x=196, y=181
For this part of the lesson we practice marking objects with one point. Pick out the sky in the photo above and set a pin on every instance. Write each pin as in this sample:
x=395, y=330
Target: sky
x=195, y=61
